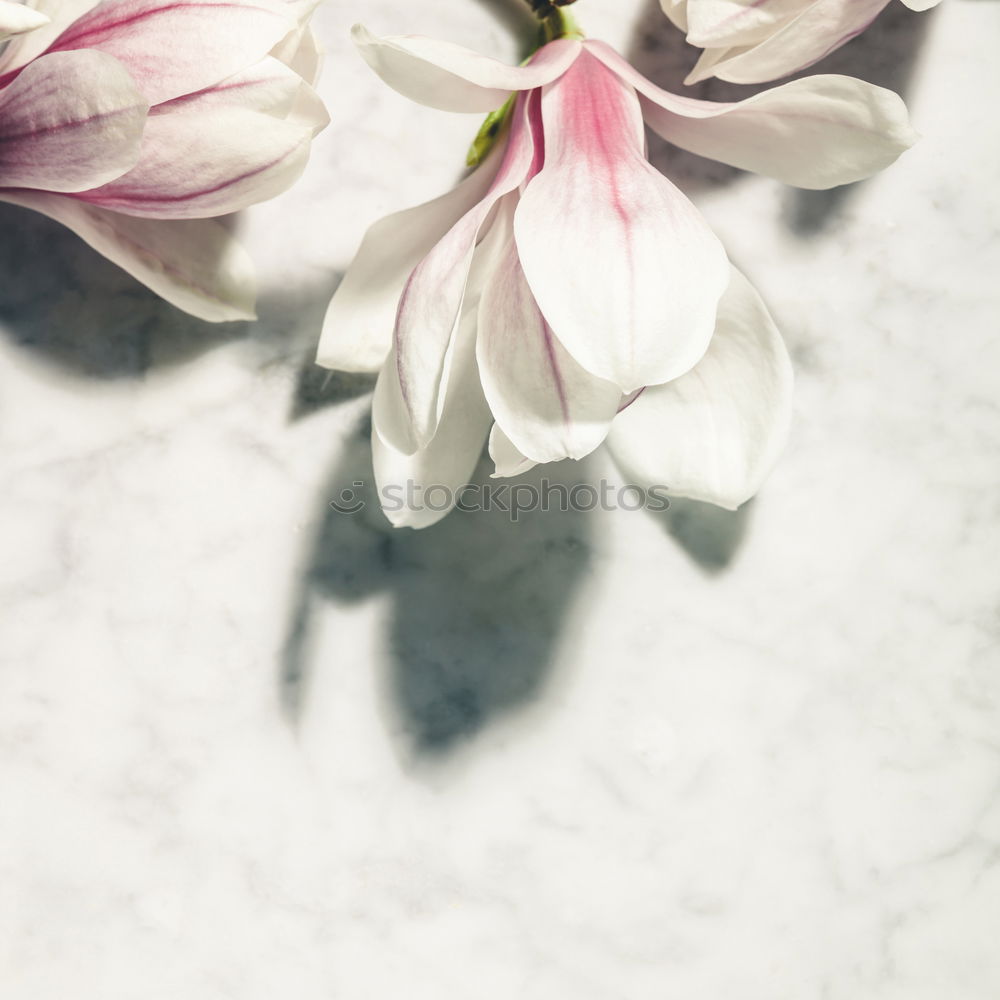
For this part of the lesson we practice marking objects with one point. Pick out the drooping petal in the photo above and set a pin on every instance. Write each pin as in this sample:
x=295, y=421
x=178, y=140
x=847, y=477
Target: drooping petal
x=821, y=27
x=507, y=460
x=715, y=433
x=547, y=405
x=177, y=47
x=221, y=150
x=195, y=264
x=921, y=5
x=625, y=269
x=69, y=121
x=452, y=78
x=432, y=298
x=357, y=331
x=419, y=489
x=16, y=18
x=815, y=133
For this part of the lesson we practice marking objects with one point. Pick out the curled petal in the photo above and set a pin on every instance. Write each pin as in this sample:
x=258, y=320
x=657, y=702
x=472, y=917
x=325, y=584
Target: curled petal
x=432, y=299
x=715, y=433
x=736, y=22
x=448, y=461
x=221, y=150
x=207, y=41
x=625, y=269
x=194, y=264
x=69, y=121
x=301, y=52
x=16, y=18
x=57, y=15
x=815, y=133
x=824, y=25
x=507, y=460
x=452, y=78
x=547, y=405
x=357, y=331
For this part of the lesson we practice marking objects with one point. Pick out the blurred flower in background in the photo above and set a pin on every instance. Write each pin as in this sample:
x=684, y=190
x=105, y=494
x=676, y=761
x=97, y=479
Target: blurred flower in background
x=136, y=123
x=567, y=293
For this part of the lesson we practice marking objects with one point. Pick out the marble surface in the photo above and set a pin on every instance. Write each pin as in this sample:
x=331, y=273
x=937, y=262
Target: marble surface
x=251, y=748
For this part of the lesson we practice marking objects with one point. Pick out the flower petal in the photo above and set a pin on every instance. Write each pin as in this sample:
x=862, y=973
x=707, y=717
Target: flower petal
x=197, y=265
x=69, y=121
x=715, y=433
x=221, y=150
x=357, y=331
x=736, y=22
x=302, y=52
x=449, y=460
x=57, y=15
x=624, y=268
x=823, y=26
x=507, y=460
x=177, y=47
x=16, y=18
x=432, y=298
x=815, y=133
x=547, y=405
x=452, y=78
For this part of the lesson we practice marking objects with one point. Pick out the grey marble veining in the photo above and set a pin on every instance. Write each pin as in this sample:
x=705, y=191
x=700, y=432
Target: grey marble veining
x=253, y=748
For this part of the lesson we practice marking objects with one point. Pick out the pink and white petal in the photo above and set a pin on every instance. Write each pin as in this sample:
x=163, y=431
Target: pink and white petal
x=17, y=18
x=207, y=161
x=57, y=14
x=267, y=87
x=448, y=461
x=817, y=132
x=69, y=121
x=357, y=331
x=452, y=78
x=736, y=22
x=715, y=433
x=624, y=268
x=822, y=26
x=547, y=405
x=432, y=299
x=507, y=460
x=177, y=47
x=196, y=265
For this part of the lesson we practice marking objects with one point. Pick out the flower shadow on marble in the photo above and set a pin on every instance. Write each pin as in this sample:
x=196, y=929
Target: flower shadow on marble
x=82, y=314
x=885, y=55
x=479, y=606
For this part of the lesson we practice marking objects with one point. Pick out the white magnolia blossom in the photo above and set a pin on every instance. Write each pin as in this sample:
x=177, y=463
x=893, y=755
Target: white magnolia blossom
x=135, y=122
x=566, y=293
x=753, y=41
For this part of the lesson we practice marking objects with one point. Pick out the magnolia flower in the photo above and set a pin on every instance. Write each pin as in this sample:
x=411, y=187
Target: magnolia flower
x=567, y=293
x=135, y=122
x=752, y=41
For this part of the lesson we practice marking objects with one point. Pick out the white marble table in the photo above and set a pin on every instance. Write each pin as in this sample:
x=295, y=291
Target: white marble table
x=250, y=748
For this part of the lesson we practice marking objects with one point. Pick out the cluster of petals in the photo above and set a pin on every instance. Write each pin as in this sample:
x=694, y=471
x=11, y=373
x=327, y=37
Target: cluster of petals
x=566, y=293
x=753, y=41
x=136, y=123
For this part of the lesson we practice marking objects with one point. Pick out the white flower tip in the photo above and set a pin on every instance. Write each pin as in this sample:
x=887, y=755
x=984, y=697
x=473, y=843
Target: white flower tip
x=361, y=36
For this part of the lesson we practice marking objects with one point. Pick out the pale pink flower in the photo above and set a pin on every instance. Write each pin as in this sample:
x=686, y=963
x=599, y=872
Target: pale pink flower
x=567, y=293
x=753, y=41
x=136, y=122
